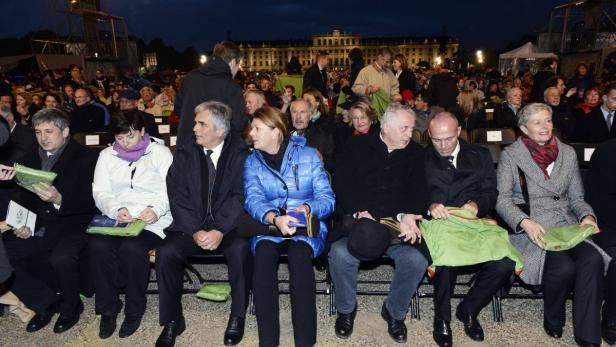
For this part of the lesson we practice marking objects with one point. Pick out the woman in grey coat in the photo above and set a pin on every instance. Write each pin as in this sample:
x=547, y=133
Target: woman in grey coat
x=556, y=198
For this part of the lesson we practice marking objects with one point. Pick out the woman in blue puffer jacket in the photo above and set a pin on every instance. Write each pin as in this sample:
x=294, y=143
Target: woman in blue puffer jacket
x=282, y=174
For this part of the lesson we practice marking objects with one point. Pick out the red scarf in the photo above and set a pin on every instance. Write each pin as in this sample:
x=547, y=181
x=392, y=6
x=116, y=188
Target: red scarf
x=542, y=155
x=356, y=132
x=587, y=107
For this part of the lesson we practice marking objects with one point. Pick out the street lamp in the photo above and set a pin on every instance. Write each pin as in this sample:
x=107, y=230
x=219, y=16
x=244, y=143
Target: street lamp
x=479, y=57
x=203, y=59
x=438, y=60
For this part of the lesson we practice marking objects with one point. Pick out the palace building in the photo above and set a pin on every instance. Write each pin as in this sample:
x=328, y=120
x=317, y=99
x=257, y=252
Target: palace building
x=274, y=55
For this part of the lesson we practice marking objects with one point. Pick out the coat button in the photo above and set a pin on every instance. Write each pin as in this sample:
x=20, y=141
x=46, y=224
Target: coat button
x=556, y=197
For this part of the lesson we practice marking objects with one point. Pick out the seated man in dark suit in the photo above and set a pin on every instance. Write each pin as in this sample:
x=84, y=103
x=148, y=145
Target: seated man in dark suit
x=316, y=75
x=462, y=175
x=206, y=197
x=46, y=259
x=601, y=195
x=86, y=117
x=598, y=125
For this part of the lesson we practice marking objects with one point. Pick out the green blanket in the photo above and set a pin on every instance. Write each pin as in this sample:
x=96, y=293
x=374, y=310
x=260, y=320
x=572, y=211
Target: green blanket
x=133, y=228
x=567, y=237
x=215, y=292
x=463, y=239
x=26, y=177
x=380, y=102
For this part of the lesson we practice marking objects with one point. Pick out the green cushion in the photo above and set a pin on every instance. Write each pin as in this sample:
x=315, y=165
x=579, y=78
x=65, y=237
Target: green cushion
x=215, y=292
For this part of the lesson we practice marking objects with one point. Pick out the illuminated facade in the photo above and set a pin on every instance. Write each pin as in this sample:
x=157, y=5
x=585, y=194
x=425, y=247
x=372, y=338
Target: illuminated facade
x=274, y=55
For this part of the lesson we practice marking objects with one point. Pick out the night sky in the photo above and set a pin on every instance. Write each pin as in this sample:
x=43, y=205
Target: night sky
x=201, y=23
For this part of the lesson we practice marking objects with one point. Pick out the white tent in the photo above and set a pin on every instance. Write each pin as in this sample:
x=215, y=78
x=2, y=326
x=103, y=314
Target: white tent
x=527, y=54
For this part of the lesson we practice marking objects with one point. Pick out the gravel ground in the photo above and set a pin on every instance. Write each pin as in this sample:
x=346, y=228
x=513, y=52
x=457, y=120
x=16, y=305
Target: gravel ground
x=206, y=322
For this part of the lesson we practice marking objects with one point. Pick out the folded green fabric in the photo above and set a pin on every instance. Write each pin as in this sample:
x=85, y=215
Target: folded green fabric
x=566, y=237
x=380, y=102
x=133, y=228
x=215, y=292
x=463, y=239
x=26, y=177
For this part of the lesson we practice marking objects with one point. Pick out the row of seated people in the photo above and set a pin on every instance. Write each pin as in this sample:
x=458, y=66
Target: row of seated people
x=216, y=194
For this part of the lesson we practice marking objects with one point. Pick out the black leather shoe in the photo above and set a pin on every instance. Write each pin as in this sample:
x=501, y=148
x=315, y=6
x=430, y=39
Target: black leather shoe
x=395, y=328
x=107, y=325
x=344, y=324
x=40, y=320
x=129, y=326
x=68, y=320
x=583, y=343
x=608, y=332
x=235, y=331
x=472, y=328
x=552, y=332
x=442, y=333
x=171, y=330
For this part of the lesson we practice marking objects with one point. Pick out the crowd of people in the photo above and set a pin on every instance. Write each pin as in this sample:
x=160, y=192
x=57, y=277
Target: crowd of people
x=325, y=172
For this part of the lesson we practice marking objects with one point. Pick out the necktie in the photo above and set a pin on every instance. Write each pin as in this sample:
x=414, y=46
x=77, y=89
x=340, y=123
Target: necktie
x=324, y=77
x=610, y=119
x=210, y=169
x=211, y=178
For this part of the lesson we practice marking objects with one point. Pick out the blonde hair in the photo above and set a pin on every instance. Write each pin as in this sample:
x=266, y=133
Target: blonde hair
x=273, y=118
x=469, y=102
x=366, y=109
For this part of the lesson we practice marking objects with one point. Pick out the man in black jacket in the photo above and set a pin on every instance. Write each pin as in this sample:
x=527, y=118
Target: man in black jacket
x=212, y=81
x=442, y=90
x=598, y=125
x=378, y=177
x=21, y=140
x=46, y=259
x=460, y=174
x=87, y=117
x=562, y=118
x=206, y=198
x=315, y=135
x=540, y=79
x=601, y=195
x=316, y=75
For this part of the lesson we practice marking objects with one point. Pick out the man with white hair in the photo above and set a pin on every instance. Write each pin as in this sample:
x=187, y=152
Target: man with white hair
x=380, y=177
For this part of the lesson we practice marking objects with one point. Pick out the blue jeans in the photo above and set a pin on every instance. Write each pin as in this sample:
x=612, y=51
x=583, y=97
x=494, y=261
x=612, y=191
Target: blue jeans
x=410, y=266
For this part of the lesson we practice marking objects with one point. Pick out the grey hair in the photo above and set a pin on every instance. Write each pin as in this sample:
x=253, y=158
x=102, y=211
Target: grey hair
x=221, y=114
x=295, y=102
x=527, y=111
x=547, y=90
x=390, y=113
x=51, y=115
x=510, y=92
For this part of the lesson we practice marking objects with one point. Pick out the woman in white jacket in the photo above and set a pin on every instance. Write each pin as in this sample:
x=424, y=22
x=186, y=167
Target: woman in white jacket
x=129, y=183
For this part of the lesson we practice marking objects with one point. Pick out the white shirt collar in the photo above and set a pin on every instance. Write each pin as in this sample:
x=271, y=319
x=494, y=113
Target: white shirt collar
x=14, y=126
x=216, y=152
x=605, y=112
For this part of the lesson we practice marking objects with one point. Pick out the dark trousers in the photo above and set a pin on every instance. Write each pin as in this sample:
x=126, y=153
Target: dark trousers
x=491, y=277
x=118, y=262
x=609, y=307
x=579, y=269
x=302, y=288
x=170, y=263
x=40, y=271
x=5, y=266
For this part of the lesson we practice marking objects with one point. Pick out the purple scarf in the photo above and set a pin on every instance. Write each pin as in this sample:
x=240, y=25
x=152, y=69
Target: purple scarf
x=133, y=154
